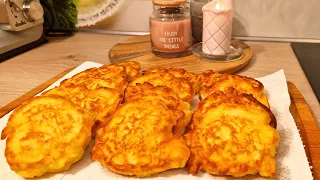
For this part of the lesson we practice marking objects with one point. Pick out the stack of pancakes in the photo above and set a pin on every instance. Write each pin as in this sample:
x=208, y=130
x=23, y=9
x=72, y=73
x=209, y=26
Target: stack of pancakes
x=143, y=124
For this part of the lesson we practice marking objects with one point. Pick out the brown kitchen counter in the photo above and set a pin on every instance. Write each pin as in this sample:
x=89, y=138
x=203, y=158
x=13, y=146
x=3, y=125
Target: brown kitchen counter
x=22, y=73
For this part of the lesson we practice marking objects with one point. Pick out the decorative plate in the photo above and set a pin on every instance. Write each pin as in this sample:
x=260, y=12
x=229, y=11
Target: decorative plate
x=92, y=11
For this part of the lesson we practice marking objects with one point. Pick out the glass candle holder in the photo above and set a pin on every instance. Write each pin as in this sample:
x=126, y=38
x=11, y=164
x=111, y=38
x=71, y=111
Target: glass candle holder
x=170, y=28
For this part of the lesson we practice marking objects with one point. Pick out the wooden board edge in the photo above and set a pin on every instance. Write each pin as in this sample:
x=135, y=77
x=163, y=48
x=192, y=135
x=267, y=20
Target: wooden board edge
x=7, y=108
x=248, y=52
x=310, y=135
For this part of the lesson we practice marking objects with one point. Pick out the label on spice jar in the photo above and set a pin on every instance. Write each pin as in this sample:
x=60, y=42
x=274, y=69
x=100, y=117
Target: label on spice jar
x=170, y=36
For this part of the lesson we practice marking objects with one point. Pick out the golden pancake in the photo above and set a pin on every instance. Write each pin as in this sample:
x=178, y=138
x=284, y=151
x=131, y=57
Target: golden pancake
x=46, y=134
x=180, y=108
x=212, y=82
x=218, y=96
x=110, y=76
x=138, y=140
x=180, y=85
x=194, y=79
x=101, y=102
x=132, y=69
x=231, y=135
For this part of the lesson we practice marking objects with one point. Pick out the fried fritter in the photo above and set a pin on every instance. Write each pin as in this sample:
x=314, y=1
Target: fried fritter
x=212, y=82
x=46, y=134
x=138, y=140
x=110, y=76
x=132, y=69
x=180, y=108
x=194, y=79
x=231, y=135
x=180, y=85
x=101, y=102
x=219, y=96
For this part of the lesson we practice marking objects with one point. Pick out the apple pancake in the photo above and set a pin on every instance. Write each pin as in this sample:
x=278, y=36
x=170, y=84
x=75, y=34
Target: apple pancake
x=110, y=76
x=194, y=79
x=138, y=140
x=101, y=102
x=46, y=134
x=180, y=85
x=213, y=81
x=132, y=69
x=231, y=135
x=180, y=108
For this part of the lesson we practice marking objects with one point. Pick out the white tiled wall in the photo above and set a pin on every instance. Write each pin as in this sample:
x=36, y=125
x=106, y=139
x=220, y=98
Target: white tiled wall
x=277, y=18
x=257, y=18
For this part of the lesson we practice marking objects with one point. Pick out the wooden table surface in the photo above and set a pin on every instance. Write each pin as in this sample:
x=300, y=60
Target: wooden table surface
x=22, y=73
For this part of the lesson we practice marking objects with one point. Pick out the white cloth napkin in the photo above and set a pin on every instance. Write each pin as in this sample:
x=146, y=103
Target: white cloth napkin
x=291, y=158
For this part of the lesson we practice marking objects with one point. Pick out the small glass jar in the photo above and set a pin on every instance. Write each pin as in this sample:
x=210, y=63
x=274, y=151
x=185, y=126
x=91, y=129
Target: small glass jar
x=170, y=28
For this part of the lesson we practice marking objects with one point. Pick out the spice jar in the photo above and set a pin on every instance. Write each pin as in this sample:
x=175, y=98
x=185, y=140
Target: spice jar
x=170, y=28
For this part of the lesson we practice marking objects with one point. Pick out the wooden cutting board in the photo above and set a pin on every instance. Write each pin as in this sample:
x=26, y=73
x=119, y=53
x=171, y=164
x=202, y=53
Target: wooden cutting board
x=299, y=108
x=139, y=49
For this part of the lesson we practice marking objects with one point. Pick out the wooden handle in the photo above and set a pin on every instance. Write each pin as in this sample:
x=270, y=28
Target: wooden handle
x=308, y=127
x=7, y=108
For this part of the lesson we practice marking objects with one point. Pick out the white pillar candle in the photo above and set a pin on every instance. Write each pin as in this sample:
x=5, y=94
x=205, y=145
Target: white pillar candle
x=217, y=27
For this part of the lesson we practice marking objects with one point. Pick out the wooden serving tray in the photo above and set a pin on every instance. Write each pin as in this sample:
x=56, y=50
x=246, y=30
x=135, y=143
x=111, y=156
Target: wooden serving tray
x=139, y=49
x=299, y=109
